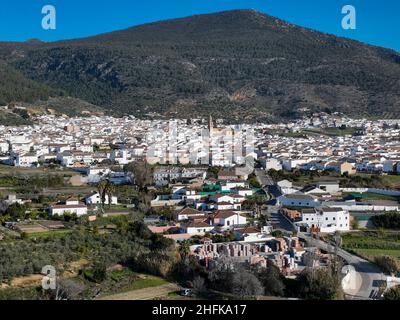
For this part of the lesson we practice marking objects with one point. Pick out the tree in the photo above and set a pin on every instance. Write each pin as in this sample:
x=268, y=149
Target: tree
x=277, y=233
x=68, y=289
x=388, y=264
x=221, y=275
x=253, y=181
x=3, y=206
x=184, y=248
x=389, y=220
x=99, y=272
x=392, y=294
x=246, y=284
x=102, y=189
x=141, y=171
x=199, y=286
x=271, y=279
x=168, y=213
x=355, y=224
x=110, y=190
x=17, y=211
x=319, y=284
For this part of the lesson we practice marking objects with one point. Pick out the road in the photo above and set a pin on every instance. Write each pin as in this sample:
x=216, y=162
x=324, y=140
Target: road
x=277, y=220
x=264, y=179
x=369, y=276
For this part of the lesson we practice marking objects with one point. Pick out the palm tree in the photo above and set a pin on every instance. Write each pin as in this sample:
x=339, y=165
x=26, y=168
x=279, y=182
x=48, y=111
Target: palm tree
x=102, y=189
x=110, y=190
x=184, y=249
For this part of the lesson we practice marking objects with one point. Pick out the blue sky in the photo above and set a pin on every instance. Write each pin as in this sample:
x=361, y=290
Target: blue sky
x=378, y=21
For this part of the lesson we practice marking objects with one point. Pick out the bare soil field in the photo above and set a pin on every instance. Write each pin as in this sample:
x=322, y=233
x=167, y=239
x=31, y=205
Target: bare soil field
x=144, y=294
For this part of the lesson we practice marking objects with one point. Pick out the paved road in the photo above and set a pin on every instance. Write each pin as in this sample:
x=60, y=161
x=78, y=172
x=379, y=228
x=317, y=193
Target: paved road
x=264, y=179
x=369, y=275
x=277, y=220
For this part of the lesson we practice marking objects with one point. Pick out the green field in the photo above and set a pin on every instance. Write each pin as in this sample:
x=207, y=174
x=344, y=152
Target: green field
x=370, y=244
x=115, y=284
x=47, y=234
x=370, y=254
x=393, y=180
x=149, y=281
x=374, y=196
x=332, y=132
x=389, y=181
x=20, y=170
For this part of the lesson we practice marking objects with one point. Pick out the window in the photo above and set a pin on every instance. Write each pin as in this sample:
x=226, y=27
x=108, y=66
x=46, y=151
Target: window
x=334, y=218
x=326, y=218
x=306, y=219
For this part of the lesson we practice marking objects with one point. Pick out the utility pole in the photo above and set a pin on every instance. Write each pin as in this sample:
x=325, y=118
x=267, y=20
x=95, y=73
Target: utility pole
x=338, y=243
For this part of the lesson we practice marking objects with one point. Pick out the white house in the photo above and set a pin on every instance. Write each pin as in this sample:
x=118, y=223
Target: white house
x=229, y=185
x=328, y=186
x=70, y=206
x=188, y=213
x=26, y=160
x=225, y=206
x=285, y=184
x=271, y=163
x=231, y=198
x=178, y=192
x=391, y=166
x=4, y=146
x=12, y=198
x=297, y=200
x=286, y=187
x=225, y=201
x=327, y=220
x=251, y=234
x=314, y=190
x=244, y=192
x=94, y=198
x=289, y=164
x=227, y=219
x=196, y=228
x=120, y=156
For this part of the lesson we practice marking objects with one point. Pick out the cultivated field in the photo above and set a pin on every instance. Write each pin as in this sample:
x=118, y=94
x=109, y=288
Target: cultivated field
x=148, y=293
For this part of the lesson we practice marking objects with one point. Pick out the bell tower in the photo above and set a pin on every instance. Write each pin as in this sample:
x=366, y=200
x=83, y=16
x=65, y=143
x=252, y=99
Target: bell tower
x=210, y=124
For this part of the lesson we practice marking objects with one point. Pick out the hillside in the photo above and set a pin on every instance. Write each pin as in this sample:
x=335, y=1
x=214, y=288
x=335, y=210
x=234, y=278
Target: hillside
x=239, y=65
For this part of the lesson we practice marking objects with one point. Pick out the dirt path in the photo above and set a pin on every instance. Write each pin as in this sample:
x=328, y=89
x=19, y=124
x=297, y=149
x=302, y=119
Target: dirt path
x=143, y=294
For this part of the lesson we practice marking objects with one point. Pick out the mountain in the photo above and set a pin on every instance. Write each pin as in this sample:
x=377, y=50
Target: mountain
x=239, y=65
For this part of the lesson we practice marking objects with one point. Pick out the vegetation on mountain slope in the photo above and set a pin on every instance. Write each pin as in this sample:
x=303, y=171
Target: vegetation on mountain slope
x=239, y=65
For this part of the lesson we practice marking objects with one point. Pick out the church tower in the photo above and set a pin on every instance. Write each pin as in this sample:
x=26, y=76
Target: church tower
x=210, y=134
x=210, y=125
